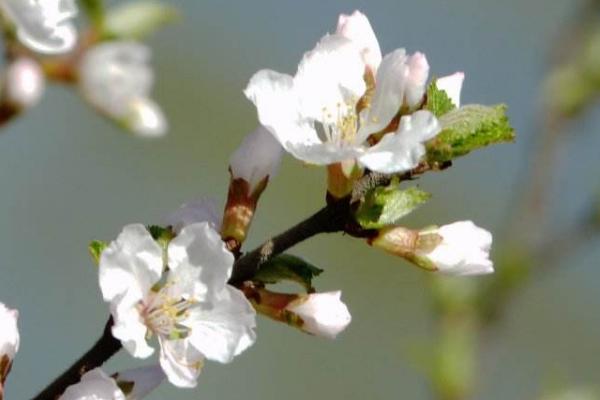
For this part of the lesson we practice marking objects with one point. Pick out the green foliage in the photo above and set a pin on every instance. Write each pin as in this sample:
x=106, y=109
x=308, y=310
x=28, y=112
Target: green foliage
x=162, y=235
x=438, y=101
x=469, y=128
x=286, y=267
x=96, y=247
x=138, y=19
x=384, y=206
x=94, y=9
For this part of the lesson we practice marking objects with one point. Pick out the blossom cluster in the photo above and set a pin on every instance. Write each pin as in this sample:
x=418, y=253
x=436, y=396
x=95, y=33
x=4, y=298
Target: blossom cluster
x=362, y=114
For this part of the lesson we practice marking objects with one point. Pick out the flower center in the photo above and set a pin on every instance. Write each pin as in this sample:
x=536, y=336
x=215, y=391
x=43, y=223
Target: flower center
x=340, y=125
x=164, y=315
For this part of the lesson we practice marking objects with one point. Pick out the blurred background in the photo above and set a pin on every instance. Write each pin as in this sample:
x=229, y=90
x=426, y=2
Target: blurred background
x=69, y=176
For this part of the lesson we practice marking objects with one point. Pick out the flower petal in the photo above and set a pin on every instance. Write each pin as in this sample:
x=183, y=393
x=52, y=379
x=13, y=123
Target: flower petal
x=403, y=150
x=9, y=333
x=95, y=385
x=181, y=362
x=330, y=80
x=200, y=210
x=131, y=330
x=452, y=85
x=44, y=26
x=225, y=330
x=418, y=72
x=389, y=94
x=199, y=262
x=357, y=28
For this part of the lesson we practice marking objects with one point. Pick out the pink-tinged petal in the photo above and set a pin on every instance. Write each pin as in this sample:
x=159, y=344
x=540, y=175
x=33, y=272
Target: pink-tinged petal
x=357, y=28
x=25, y=82
x=226, y=329
x=452, y=85
x=418, y=72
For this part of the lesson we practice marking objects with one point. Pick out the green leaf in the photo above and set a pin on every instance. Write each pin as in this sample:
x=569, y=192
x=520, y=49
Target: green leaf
x=96, y=247
x=94, y=10
x=162, y=235
x=286, y=267
x=138, y=19
x=384, y=206
x=438, y=101
x=469, y=128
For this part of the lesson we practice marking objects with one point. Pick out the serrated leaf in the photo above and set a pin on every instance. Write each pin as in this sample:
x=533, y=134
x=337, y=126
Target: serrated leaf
x=286, y=267
x=469, y=128
x=96, y=247
x=138, y=19
x=384, y=206
x=438, y=101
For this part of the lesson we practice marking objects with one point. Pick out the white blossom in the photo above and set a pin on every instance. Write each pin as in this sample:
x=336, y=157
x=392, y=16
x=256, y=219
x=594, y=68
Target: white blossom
x=24, y=82
x=189, y=306
x=45, y=26
x=94, y=385
x=464, y=249
x=9, y=332
x=314, y=113
x=257, y=158
x=144, y=380
x=200, y=210
x=452, y=85
x=323, y=314
x=117, y=79
x=357, y=28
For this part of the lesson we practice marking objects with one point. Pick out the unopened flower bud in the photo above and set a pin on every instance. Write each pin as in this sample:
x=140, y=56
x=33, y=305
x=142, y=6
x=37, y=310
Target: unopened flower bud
x=257, y=158
x=322, y=314
x=462, y=249
x=146, y=118
x=452, y=85
x=9, y=341
x=357, y=28
x=138, y=383
x=251, y=166
x=417, y=74
x=24, y=84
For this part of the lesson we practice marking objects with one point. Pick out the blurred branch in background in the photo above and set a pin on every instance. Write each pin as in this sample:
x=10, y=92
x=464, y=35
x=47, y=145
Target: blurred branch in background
x=467, y=309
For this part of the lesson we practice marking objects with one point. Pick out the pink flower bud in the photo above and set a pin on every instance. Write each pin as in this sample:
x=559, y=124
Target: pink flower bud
x=417, y=74
x=25, y=83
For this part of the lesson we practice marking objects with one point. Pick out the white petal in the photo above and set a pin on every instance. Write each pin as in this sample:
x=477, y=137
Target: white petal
x=199, y=262
x=9, y=332
x=404, y=149
x=181, y=362
x=200, y=210
x=324, y=314
x=25, y=82
x=389, y=93
x=130, y=266
x=226, y=329
x=113, y=74
x=130, y=328
x=258, y=157
x=44, y=26
x=418, y=72
x=145, y=118
x=452, y=85
x=94, y=385
x=464, y=250
x=330, y=80
x=357, y=28
x=144, y=379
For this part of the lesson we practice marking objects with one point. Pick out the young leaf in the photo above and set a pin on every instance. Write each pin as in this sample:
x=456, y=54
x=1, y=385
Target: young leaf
x=138, y=19
x=94, y=10
x=96, y=247
x=286, y=267
x=438, y=101
x=384, y=206
x=469, y=128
